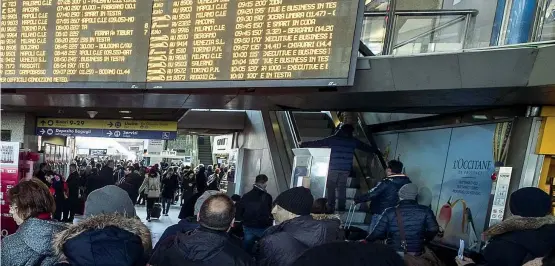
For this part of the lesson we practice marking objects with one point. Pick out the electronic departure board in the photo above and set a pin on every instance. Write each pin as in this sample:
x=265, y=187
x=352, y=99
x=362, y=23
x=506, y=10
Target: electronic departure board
x=178, y=43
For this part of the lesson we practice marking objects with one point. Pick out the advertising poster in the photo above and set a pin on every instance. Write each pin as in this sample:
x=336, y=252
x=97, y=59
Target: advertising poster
x=9, y=161
x=452, y=168
x=467, y=185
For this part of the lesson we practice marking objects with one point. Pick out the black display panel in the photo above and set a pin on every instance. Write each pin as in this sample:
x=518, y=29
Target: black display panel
x=178, y=43
x=84, y=42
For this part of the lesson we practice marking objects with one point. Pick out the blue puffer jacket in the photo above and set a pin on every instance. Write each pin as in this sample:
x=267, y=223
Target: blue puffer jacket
x=419, y=223
x=342, y=147
x=385, y=194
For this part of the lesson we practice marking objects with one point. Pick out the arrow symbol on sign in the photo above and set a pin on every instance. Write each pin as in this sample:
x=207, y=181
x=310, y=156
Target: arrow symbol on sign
x=42, y=130
x=42, y=122
x=109, y=133
x=110, y=125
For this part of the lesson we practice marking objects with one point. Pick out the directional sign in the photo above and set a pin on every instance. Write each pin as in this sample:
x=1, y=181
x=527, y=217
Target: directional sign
x=106, y=133
x=107, y=124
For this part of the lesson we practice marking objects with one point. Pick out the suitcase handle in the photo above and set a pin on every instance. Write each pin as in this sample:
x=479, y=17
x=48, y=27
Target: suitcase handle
x=350, y=216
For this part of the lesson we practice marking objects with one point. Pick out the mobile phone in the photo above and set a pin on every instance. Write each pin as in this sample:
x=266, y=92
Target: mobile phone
x=460, y=254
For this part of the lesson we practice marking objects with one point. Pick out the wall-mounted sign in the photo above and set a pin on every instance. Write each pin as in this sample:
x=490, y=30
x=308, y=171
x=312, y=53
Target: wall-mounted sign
x=222, y=144
x=130, y=129
x=500, y=196
x=98, y=152
x=155, y=147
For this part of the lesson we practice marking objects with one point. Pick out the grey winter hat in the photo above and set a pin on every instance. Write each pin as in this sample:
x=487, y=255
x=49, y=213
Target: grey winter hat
x=408, y=192
x=203, y=198
x=109, y=199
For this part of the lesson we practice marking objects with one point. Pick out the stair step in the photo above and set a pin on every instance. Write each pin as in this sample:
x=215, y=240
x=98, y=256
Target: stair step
x=311, y=123
x=310, y=116
x=358, y=217
x=315, y=132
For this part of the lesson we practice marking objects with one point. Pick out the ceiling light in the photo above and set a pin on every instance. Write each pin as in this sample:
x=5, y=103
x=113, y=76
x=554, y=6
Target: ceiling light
x=127, y=117
x=124, y=112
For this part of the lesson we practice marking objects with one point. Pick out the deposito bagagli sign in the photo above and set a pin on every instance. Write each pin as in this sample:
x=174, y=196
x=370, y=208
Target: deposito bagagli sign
x=108, y=128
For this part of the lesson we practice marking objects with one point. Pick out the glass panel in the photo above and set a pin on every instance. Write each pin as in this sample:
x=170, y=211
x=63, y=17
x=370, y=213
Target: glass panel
x=446, y=39
x=376, y=5
x=548, y=30
x=373, y=33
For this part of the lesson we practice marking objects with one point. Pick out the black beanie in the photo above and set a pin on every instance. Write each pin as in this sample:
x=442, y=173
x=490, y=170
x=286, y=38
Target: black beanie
x=530, y=202
x=350, y=253
x=297, y=200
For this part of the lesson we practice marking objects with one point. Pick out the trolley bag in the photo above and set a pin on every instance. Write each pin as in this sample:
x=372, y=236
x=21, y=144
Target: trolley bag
x=156, y=211
x=352, y=233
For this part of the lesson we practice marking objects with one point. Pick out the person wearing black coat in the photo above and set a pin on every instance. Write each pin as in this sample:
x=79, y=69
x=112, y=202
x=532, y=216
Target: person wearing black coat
x=525, y=236
x=72, y=202
x=132, y=183
x=104, y=178
x=169, y=187
x=419, y=223
x=254, y=211
x=385, y=194
x=201, y=179
x=296, y=231
x=208, y=245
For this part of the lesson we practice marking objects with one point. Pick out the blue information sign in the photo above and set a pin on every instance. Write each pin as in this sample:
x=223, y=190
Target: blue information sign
x=106, y=133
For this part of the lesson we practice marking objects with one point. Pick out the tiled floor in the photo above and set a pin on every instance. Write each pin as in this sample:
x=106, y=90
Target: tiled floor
x=156, y=226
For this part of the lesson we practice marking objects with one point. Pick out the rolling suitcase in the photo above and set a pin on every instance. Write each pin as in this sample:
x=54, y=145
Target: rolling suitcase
x=156, y=211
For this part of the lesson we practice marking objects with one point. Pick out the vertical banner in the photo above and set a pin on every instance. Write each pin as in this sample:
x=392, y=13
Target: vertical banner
x=9, y=162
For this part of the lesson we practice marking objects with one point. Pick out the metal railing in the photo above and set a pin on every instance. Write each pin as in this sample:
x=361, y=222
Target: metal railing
x=392, y=16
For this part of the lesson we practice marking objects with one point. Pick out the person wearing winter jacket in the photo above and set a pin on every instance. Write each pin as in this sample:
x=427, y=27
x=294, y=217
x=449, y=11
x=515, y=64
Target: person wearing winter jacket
x=419, y=224
x=525, y=236
x=385, y=194
x=169, y=187
x=110, y=234
x=151, y=187
x=213, y=181
x=254, y=211
x=210, y=244
x=295, y=232
x=343, y=145
x=31, y=205
x=201, y=179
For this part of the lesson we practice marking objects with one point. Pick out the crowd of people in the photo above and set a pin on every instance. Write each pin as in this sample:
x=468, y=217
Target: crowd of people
x=255, y=229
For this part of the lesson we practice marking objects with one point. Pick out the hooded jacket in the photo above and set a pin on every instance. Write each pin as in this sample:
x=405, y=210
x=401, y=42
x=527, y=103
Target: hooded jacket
x=518, y=240
x=282, y=244
x=31, y=244
x=419, y=223
x=385, y=194
x=200, y=247
x=333, y=223
x=107, y=239
x=342, y=147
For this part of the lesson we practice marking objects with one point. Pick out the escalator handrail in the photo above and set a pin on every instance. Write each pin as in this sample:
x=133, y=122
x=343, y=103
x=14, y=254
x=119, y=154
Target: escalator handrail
x=292, y=123
x=368, y=136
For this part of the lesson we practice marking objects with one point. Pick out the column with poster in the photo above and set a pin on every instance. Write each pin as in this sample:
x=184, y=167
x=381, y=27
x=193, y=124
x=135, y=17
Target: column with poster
x=9, y=163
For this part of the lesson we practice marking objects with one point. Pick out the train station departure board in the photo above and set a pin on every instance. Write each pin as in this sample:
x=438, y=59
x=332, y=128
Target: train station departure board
x=177, y=43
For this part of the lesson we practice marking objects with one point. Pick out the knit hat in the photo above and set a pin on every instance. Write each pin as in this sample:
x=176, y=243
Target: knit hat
x=530, y=202
x=350, y=253
x=109, y=199
x=297, y=200
x=203, y=198
x=408, y=192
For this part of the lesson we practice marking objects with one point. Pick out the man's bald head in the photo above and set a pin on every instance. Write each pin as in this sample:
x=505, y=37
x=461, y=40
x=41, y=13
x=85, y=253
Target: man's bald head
x=217, y=213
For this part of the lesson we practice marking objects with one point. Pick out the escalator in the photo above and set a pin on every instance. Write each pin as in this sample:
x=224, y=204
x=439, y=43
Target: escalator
x=368, y=169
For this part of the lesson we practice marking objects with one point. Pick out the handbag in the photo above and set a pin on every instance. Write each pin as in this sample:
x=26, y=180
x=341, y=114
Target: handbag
x=428, y=258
